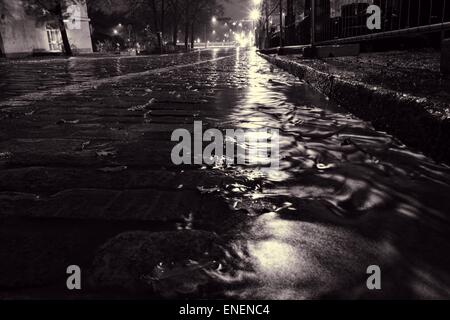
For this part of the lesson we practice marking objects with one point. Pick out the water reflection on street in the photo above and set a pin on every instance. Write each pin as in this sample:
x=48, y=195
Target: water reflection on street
x=344, y=196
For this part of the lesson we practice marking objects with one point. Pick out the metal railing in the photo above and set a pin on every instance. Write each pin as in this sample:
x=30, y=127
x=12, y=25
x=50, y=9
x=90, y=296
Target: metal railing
x=317, y=22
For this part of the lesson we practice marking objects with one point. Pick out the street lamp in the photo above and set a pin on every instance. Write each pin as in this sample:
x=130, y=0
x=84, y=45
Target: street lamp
x=214, y=23
x=254, y=16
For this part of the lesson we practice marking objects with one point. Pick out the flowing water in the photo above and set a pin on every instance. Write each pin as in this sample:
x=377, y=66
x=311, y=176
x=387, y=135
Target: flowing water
x=344, y=197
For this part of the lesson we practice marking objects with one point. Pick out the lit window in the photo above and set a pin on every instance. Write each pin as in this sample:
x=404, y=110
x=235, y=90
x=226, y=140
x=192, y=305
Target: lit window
x=54, y=40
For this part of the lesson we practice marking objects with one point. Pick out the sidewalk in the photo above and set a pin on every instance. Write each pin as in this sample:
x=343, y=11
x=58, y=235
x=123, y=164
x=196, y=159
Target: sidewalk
x=401, y=92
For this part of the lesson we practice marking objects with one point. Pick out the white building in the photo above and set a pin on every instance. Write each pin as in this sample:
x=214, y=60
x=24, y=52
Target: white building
x=23, y=35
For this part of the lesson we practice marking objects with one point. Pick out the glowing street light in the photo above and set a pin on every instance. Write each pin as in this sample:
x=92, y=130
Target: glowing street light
x=255, y=15
x=213, y=19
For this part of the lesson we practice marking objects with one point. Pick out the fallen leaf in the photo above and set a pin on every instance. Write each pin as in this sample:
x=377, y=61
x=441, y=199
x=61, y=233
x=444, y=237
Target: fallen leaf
x=63, y=121
x=113, y=169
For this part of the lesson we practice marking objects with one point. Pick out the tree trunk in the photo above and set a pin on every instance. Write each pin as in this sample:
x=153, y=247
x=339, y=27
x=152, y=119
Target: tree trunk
x=175, y=33
x=2, y=50
x=192, y=35
x=65, y=38
x=175, y=18
x=156, y=25
x=63, y=31
x=163, y=16
x=186, y=36
x=160, y=42
x=155, y=15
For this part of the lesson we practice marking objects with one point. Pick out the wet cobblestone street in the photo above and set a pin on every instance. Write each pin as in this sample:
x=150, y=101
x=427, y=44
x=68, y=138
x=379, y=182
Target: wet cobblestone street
x=86, y=178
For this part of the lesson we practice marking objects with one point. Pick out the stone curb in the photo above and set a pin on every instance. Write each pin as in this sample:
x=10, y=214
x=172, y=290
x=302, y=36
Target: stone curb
x=417, y=122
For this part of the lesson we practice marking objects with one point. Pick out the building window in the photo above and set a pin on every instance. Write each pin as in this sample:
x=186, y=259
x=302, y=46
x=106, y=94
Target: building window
x=54, y=40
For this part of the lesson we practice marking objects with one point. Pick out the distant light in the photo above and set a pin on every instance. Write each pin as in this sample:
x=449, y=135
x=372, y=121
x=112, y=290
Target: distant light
x=115, y=31
x=214, y=32
x=120, y=25
x=213, y=19
x=255, y=15
x=240, y=24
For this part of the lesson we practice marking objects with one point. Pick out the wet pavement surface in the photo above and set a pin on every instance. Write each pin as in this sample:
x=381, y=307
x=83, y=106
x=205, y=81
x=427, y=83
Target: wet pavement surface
x=415, y=73
x=86, y=178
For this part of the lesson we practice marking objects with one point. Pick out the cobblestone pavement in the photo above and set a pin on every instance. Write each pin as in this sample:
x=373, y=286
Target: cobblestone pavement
x=86, y=179
x=25, y=76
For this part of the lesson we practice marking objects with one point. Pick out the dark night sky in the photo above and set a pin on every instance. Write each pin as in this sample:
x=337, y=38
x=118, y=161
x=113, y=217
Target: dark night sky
x=237, y=9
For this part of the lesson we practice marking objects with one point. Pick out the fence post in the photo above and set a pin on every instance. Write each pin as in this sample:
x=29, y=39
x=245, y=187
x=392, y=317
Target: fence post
x=445, y=57
x=281, y=23
x=313, y=22
x=289, y=23
x=267, y=43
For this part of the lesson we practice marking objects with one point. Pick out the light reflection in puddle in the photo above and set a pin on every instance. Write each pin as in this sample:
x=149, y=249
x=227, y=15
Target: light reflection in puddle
x=283, y=259
x=354, y=191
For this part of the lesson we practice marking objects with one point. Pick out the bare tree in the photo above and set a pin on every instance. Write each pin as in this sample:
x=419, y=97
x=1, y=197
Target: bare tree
x=158, y=8
x=197, y=12
x=163, y=15
x=175, y=16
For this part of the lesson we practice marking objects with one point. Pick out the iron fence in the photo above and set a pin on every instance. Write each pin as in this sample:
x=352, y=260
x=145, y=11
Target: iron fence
x=316, y=22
